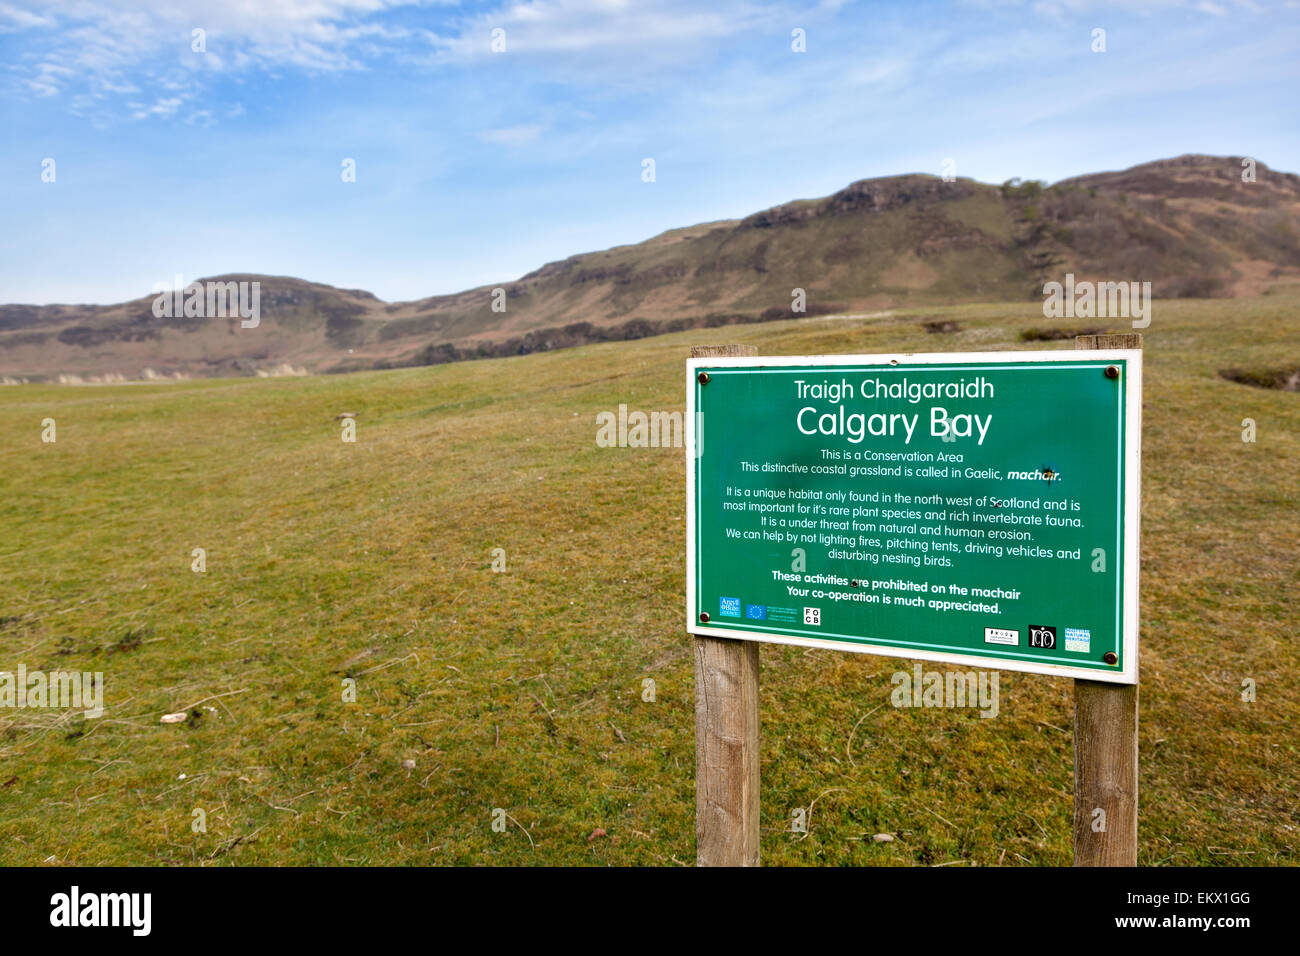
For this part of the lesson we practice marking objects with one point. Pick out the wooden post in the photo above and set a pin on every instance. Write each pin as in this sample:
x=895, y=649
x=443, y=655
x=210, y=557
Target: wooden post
x=1106, y=738
x=726, y=733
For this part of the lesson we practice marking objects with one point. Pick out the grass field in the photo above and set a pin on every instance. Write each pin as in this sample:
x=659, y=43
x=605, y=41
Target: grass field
x=523, y=690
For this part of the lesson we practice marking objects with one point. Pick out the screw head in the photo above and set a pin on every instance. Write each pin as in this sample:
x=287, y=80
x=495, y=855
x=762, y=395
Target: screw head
x=703, y=378
x=853, y=584
x=1110, y=657
x=704, y=617
x=1112, y=371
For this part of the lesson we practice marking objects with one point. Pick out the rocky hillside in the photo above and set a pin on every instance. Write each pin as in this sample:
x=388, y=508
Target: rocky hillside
x=1191, y=226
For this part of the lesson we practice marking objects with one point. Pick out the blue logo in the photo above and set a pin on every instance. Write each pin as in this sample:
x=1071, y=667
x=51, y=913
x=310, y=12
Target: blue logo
x=756, y=612
x=1078, y=639
x=728, y=607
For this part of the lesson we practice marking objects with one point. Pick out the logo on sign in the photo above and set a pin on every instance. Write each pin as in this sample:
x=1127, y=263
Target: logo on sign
x=1002, y=635
x=1041, y=635
x=728, y=607
x=756, y=612
x=1078, y=639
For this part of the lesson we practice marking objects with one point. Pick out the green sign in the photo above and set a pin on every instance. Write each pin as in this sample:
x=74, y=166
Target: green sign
x=976, y=508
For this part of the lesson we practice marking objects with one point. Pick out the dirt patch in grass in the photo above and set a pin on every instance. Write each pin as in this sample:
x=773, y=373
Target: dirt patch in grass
x=1055, y=335
x=129, y=641
x=1283, y=380
x=941, y=326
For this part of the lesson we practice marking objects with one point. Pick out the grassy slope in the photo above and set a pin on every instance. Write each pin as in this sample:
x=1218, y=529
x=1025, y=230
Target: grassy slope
x=523, y=690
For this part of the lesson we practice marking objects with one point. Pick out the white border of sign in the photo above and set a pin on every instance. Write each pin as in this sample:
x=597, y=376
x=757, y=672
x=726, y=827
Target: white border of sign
x=1132, y=503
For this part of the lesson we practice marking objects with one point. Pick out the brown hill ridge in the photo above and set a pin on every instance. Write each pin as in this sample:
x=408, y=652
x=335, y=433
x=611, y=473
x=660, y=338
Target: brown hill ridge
x=1189, y=225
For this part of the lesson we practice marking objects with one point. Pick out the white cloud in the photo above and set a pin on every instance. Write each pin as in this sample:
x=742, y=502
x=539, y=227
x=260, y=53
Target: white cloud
x=670, y=28
x=103, y=47
x=162, y=107
x=512, y=135
x=13, y=18
x=99, y=50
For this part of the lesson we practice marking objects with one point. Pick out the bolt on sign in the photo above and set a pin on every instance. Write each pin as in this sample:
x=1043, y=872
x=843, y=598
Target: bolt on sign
x=978, y=508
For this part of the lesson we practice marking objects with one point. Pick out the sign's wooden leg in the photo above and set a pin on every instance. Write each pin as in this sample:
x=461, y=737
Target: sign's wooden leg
x=1106, y=741
x=726, y=752
x=1105, y=774
x=726, y=733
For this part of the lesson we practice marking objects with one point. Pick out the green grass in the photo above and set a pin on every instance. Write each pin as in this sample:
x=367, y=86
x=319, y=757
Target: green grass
x=523, y=690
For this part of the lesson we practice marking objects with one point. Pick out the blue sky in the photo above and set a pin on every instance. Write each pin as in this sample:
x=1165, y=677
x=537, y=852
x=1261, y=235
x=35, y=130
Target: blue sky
x=476, y=166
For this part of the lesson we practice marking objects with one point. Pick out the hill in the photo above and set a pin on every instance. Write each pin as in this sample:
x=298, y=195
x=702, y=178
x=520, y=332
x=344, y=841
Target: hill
x=523, y=690
x=1189, y=225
